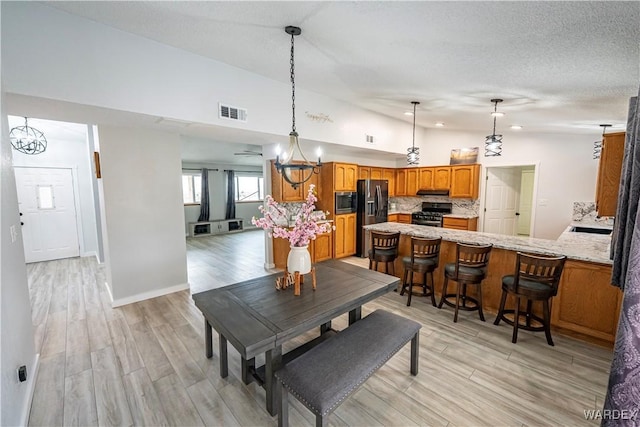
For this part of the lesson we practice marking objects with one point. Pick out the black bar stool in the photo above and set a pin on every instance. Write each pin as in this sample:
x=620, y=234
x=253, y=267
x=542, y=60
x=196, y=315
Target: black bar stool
x=423, y=260
x=384, y=248
x=536, y=279
x=470, y=268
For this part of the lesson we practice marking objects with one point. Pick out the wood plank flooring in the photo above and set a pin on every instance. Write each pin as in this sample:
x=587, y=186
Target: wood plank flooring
x=144, y=364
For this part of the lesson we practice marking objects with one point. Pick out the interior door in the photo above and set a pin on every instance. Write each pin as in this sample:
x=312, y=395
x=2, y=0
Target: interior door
x=46, y=202
x=502, y=200
x=526, y=202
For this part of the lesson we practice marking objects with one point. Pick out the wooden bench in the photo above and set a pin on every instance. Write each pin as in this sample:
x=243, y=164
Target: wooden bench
x=326, y=375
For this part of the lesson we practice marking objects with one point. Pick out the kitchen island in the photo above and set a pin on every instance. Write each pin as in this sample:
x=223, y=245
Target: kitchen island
x=586, y=302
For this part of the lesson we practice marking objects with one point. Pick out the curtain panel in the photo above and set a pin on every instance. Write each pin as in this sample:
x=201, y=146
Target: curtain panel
x=622, y=403
x=231, y=195
x=204, y=196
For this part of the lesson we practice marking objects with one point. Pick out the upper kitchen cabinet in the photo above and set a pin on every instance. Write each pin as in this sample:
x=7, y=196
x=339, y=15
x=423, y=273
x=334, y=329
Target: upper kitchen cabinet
x=345, y=176
x=435, y=178
x=465, y=181
x=376, y=173
x=390, y=175
x=407, y=181
x=364, y=172
x=609, y=171
x=282, y=191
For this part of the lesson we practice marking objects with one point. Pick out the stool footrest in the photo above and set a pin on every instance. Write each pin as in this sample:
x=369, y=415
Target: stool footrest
x=463, y=300
x=521, y=325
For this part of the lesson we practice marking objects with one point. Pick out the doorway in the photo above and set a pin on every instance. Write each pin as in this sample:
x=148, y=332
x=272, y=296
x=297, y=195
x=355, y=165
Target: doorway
x=48, y=213
x=508, y=201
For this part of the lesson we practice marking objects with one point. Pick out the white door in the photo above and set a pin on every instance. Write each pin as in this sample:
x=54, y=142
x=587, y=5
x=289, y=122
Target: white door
x=501, y=200
x=46, y=202
x=526, y=202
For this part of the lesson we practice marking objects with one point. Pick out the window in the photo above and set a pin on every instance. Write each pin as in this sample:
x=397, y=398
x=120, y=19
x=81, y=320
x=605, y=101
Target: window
x=191, y=186
x=249, y=188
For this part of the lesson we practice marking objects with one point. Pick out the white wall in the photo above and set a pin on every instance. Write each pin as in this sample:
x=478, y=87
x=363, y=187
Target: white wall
x=74, y=155
x=218, y=195
x=567, y=171
x=114, y=69
x=144, y=216
x=16, y=330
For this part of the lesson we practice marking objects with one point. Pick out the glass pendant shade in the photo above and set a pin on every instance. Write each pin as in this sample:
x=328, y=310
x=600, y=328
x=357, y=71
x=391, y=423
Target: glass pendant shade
x=413, y=152
x=493, y=142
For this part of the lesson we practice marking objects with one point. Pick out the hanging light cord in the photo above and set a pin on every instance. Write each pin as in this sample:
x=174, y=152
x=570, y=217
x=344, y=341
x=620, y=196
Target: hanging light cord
x=495, y=110
x=293, y=87
x=413, y=144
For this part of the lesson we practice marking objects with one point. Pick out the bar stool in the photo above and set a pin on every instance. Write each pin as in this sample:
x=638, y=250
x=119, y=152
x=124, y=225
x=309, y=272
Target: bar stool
x=424, y=259
x=470, y=268
x=536, y=279
x=384, y=248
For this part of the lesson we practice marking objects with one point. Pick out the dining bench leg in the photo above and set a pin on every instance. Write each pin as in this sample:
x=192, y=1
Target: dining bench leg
x=224, y=364
x=415, y=349
x=248, y=366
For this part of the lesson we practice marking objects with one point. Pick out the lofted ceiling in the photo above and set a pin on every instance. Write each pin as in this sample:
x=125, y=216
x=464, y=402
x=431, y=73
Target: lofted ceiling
x=561, y=67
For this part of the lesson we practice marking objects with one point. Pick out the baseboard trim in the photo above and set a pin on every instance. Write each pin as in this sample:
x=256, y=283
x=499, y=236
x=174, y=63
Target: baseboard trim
x=26, y=409
x=148, y=295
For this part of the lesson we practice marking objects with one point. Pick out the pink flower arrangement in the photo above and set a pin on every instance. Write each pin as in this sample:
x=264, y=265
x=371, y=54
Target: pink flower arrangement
x=308, y=223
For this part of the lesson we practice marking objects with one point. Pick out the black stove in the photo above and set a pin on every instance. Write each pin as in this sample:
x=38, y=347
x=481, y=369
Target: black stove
x=431, y=214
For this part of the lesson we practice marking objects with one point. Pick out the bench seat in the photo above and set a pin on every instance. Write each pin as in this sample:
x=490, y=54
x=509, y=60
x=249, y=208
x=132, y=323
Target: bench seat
x=326, y=375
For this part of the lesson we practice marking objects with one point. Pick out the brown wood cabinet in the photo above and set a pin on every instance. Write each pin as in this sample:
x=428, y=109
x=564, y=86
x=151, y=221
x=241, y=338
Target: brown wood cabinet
x=282, y=191
x=390, y=175
x=435, y=178
x=345, y=235
x=465, y=181
x=401, y=182
x=364, y=172
x=392, y=218
x=469, y=224
x=404, y=218
x=609, y=171
x=345, y=176
x=320, y=249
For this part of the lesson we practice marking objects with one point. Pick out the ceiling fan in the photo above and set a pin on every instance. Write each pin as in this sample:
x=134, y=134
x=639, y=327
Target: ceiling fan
x=248, y=153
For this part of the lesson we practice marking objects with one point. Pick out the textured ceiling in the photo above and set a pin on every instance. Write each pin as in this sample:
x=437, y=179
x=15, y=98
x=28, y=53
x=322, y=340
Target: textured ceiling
x=559, y=66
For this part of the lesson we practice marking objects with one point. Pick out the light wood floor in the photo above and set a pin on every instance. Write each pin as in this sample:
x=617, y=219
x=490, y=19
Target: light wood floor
x=144, y=364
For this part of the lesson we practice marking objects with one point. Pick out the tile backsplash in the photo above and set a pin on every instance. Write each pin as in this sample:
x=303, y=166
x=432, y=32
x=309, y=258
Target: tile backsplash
x=413, y=204
x=586, y=212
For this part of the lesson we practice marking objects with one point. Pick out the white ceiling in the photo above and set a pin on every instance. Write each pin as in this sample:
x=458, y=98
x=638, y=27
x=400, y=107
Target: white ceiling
x=559, y=66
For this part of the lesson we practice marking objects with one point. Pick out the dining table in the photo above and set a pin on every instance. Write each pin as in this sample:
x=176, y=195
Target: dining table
x=256, y=318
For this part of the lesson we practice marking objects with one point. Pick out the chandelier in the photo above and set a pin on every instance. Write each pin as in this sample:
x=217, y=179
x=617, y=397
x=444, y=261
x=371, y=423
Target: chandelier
x=292, y=172
x=493, y=142
x=597, y=145
x=413, y=153
x=27, y=140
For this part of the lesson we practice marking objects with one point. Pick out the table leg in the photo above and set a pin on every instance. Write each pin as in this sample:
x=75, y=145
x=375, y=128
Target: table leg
x=355, y=315
x=326, y=327
x=208, y=339
x=296, y=285
x=224, y=365
x=247, y=367
x=273, y=362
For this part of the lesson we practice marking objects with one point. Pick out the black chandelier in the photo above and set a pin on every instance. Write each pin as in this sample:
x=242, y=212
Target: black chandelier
x=493, y=142
x=413, y=153
x=27, y=140
x=597, y=145
x=292, y=172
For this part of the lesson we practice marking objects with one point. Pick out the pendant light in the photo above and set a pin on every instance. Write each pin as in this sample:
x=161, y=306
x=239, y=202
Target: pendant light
x=493, y=142
x=597, y=145
x=27, y=140
x=295, y=173
x=413, y=153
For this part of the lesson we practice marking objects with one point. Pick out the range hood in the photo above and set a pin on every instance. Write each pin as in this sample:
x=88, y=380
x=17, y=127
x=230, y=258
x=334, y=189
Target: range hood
x=428, y=192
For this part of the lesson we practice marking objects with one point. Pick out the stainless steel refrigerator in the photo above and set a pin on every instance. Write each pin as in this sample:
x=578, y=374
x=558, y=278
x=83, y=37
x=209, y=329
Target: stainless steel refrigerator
x=372, y=208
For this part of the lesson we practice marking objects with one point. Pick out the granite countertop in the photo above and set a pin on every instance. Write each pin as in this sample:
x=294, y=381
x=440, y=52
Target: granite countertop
x=576, y=246
x=398, y=212
x=461, y=216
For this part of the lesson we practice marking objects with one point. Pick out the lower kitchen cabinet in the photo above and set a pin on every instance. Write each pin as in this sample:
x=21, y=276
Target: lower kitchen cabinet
x=469, y=224
x=345, y=237
x=320, y=249
x=404, y=218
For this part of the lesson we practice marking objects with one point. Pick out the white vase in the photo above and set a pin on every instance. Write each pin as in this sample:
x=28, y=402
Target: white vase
x=299, y=260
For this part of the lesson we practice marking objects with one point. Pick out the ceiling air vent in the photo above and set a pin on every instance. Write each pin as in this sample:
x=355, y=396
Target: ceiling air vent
x=232, y=113
x=369, y=138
